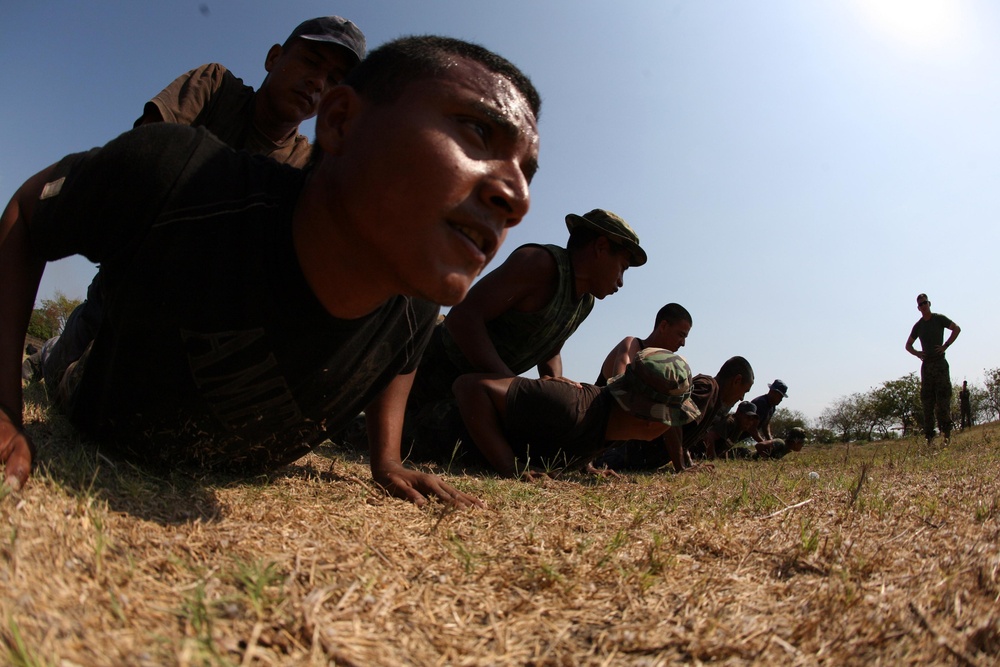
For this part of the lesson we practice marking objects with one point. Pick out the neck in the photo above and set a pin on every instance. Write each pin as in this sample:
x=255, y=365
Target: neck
x=581, y=281
x=267, y=123
x=342, y=275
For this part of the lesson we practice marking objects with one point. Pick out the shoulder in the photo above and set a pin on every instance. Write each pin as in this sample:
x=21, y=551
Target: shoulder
x=528, y=273
x=704, y=393
x=704, y=385
x=209, y=76
x=627, y=344
x=109, y=195
x=146, y=155
x=211, y=71
x=531, y=256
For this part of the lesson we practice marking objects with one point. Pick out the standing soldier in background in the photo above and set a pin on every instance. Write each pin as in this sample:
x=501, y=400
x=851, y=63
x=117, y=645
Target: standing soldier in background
x=965, y=406
x=935, y=379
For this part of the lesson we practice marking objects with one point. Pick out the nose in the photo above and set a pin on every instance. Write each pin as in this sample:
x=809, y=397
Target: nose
x=506, y=190
x=315, y=81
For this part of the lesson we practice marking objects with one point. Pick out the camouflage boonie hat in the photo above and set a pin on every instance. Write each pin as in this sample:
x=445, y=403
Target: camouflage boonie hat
x=614, y=227
x=656, y=386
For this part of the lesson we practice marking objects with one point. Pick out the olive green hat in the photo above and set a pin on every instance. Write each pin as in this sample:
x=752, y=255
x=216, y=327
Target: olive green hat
x=614, y=227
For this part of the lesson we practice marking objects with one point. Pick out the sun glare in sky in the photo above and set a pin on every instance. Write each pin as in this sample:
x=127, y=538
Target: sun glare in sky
x=932, y=27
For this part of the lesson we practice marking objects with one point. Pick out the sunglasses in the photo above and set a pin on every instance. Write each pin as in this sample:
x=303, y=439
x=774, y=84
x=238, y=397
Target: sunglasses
x=922, y=303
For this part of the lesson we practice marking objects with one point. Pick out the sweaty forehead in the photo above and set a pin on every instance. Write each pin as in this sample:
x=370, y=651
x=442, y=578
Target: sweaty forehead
x=492, y=88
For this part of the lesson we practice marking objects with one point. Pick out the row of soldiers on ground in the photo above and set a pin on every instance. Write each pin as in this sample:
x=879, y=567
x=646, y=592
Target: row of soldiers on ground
x=246, y=309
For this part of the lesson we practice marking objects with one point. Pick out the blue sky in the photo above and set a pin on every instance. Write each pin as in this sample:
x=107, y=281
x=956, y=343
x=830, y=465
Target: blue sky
x=797, y=171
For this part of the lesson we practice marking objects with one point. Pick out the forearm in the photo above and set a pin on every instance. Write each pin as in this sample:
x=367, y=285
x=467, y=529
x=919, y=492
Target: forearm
x=384, y=419
x=952, y=337
x=481, y=416
x=675, y=448
x=20, y=273
x=384, y=422
x=710, y=452
x=552, y=367
x=470, y=335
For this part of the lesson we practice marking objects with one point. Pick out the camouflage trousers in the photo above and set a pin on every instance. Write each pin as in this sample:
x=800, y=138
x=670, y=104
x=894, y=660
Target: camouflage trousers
x=935, y=394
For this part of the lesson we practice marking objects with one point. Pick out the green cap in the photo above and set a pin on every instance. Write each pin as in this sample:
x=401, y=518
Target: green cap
x=614, y=227
x=656, y=386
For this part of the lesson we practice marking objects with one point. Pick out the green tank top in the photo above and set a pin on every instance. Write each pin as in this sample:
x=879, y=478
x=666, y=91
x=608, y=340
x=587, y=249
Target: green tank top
x=523, y=340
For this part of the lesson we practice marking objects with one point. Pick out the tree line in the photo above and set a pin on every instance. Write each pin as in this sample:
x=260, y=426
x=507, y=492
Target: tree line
x=892, y=410
x=50, y=317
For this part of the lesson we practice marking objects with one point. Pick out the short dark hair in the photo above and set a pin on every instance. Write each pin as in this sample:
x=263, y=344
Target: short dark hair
x=735, y=366
x=673, y=313
x=387, y=70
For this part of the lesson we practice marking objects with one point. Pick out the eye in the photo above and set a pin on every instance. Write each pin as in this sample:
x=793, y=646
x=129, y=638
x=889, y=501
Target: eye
x=478, y=128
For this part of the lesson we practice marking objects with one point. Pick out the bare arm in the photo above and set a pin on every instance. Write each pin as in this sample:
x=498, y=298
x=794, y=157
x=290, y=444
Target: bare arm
x=955, y=330
x=673, y=439
x=20, y=272
x=620, y=357
x=909, y=348
x=525, y=283
x=482, y=400
x=710, y=439
x=552, y=367
x=384, y=418
x=765, y=448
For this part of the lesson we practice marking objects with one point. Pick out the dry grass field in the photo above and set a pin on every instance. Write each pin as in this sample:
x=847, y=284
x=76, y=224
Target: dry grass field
x=891, y=557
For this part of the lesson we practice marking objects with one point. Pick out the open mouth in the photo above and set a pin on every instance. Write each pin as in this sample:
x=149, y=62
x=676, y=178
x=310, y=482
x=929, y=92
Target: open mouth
x=477, y=238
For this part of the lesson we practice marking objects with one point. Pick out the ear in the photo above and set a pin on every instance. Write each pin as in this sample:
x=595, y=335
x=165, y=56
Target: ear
x=602, y=245
x=273, y=54
x=335, y=119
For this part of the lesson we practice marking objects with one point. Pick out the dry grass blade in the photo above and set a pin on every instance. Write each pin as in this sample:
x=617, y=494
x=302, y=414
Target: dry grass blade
x=856, y=487
x=102, y=563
